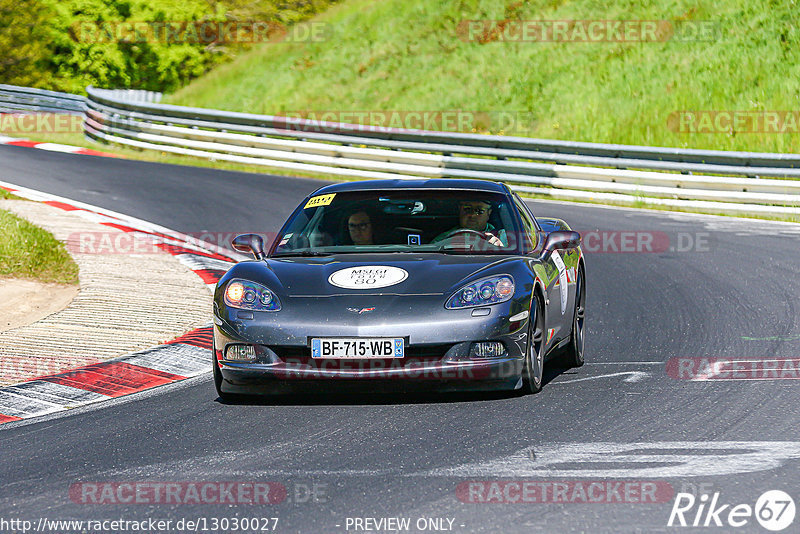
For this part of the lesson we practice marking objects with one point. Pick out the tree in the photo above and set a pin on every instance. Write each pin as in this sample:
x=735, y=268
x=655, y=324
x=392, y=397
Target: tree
x=24, y=41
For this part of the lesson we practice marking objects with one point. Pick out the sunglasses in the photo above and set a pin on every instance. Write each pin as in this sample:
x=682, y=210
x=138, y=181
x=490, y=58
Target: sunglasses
x=358, y=226
x=469, y=210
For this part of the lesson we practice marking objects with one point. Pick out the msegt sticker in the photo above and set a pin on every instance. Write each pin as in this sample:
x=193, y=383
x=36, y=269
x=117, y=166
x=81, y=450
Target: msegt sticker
x=367, y=277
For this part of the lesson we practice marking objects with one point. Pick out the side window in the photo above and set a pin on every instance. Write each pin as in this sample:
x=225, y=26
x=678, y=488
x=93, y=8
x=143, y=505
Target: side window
x=528, y=226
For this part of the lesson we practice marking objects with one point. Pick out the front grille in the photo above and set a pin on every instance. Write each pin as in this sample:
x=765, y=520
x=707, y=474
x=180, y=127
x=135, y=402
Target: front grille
x=414, y=354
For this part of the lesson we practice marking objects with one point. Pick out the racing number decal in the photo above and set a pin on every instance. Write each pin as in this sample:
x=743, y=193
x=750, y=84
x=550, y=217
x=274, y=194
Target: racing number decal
x=562, y=280
x=321, y=200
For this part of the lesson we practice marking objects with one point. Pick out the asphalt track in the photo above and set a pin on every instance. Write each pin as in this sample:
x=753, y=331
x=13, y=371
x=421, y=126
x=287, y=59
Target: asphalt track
x=375, y=456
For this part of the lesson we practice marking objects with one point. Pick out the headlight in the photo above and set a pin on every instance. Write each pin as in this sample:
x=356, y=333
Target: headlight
x=247, y=295
x=483, y=292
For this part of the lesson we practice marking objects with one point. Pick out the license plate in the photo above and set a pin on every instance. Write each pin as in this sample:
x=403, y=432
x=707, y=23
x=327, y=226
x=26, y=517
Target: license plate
x=356, y=347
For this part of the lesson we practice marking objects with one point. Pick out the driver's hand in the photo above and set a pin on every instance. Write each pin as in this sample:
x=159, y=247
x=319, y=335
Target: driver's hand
x=493, y=239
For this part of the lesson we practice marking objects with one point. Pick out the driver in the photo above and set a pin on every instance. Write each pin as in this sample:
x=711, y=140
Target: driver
x=359, y=226
x=474, y=215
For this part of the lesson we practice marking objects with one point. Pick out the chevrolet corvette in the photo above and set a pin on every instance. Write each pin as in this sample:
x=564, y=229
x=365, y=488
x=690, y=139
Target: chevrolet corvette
x=413, y=284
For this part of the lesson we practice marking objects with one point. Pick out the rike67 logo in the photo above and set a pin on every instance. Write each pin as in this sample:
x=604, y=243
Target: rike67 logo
x=774, y=510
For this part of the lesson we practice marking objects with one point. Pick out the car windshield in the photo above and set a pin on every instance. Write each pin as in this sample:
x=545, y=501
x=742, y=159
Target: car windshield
x=451, y=222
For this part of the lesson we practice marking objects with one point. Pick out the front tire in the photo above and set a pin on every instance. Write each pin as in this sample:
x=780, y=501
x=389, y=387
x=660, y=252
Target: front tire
x=534, y=353
x=225, y=397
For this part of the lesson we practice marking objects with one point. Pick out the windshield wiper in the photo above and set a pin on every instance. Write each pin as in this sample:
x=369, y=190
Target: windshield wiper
x=302, y=253
x=470, y=250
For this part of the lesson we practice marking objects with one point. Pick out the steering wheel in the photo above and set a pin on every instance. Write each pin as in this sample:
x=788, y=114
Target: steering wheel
x=466, y=231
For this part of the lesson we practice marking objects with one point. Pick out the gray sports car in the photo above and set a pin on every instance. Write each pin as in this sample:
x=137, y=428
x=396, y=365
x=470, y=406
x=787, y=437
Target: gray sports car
x=423, y=284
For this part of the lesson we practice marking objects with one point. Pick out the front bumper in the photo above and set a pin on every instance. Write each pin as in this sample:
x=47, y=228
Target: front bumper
x=294, y=378
x=436, y=349
x=442, y=367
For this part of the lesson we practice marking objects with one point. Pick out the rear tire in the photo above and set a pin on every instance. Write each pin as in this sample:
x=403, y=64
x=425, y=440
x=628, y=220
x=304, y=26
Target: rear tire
x=573, y=352
x=533, y=371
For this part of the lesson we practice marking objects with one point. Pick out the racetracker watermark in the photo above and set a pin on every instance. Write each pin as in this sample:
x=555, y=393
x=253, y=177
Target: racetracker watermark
x=134, y=242
x=26, y=368
x=734, y=121
x=592, y=241
x=205, y=492
x=409, y=368
x=642, y=241
x=505, y=122
x=587, y=31
x=707, y=369
x=199, y=32
x=564, y=492
x=36, y=122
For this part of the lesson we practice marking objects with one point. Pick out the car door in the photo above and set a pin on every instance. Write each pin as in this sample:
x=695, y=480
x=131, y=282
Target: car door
x=555, y=279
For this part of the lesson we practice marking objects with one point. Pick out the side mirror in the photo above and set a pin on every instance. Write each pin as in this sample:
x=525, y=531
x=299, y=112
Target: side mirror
x=560, y=240
x=249, y=243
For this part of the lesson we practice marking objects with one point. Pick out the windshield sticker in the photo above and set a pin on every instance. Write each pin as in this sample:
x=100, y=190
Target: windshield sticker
x=562, y=280
x=367, y=277
x=321, y=200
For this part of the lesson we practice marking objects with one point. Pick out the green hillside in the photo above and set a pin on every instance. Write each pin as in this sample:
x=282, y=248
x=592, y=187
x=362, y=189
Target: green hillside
x=418, y=55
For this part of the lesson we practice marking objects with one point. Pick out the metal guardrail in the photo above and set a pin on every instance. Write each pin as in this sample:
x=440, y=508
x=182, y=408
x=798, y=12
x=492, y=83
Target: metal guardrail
x=670, y=177
x=15, y=99
x=135, y=95
x=559, y=169
x=503, y=147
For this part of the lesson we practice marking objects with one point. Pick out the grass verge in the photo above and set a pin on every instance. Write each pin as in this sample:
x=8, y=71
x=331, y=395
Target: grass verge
x=27, y=251
x=5, y=195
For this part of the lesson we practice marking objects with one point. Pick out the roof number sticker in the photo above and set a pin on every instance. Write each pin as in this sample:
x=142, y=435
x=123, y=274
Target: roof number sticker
x=562, y=280
x=321, y=200
x=367, y=277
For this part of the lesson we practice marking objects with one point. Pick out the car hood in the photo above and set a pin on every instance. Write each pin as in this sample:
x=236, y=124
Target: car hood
x=413, y=307
x=426, y=273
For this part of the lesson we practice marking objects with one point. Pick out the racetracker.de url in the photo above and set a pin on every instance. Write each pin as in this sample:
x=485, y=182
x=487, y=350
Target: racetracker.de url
x=104, y=526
